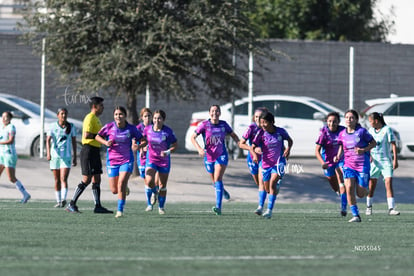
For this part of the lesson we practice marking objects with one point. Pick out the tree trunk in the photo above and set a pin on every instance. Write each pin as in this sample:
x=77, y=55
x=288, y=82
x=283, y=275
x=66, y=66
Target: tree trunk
x=132, y=118
x=131, y=106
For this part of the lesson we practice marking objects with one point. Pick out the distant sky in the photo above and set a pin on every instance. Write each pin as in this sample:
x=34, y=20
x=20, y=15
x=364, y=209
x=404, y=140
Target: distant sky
x=404, y=19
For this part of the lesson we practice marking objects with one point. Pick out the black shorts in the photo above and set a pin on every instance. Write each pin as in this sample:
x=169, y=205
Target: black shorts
x=90, y=158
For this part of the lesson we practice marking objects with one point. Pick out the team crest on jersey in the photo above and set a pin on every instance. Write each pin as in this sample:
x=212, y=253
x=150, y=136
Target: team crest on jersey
x=357, y=139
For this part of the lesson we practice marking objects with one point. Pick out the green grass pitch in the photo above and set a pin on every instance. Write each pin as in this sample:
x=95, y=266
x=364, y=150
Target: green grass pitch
x=311, y=239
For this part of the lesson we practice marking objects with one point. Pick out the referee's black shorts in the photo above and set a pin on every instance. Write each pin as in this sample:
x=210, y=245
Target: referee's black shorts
x=90, y=158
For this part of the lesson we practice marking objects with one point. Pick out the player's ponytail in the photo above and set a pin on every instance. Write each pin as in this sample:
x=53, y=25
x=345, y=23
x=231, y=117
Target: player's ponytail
x=378, y=116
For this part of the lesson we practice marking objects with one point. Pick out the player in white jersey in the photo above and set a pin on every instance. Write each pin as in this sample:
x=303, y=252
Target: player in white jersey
x=8, y=155
x=382, y=162
x=60, y=141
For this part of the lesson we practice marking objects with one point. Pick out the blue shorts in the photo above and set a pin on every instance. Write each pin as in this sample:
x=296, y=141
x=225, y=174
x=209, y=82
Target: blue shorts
x=330, y=171
x=277, y=169
x=222, y=160
x=158, y=168
x=253, y=167
x=141, y=167
x=362, y=177
x=114, y=170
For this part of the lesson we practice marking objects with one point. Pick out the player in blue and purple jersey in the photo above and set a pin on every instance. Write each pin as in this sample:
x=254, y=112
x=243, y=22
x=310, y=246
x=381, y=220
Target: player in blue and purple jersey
x=269, y=141
x=214, y=132
x=246, y=142
x=146, y=117
x=161, y=142
x=326, y=149
x=119, y=136
x=383, y=163
x=355, y=143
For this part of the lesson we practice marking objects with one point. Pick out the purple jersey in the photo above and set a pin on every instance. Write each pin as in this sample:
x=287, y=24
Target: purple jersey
x=272, y=145
x=328, y=140
x=120, y=151
x=359, y=138
x=159, y=141
x=214, y=136
x=142, y=156
x=249, y=135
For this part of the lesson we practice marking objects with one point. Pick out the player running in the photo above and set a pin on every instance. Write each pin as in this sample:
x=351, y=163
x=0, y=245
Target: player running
x=325, y=151
x=216, y=158
x=8, y=155
x=161, y=142
x=355, y=142
x=118, y=136
x=269, y=141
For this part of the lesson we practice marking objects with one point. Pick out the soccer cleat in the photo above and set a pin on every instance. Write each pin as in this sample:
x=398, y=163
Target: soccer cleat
x=267, y=214
x=63, y=203
x=216, y=210
x=72, y=208
x=127, y=191
x=119, y=214
x=58, y=205
x=355, y=219
x=368, y=211
x=393, y=212
x=154, y=198
x=226, y=194
x=343, y=213
x=161, y=211
x=259, y=211
x=26, y=198
x=149, y=208
x=102, y=210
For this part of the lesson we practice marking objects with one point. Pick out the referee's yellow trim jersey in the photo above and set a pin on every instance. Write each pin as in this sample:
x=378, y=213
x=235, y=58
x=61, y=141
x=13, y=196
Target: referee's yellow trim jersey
x=91, y=124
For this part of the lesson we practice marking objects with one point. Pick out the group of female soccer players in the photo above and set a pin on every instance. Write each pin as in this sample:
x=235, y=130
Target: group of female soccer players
x=351, y=153
x=359, y=156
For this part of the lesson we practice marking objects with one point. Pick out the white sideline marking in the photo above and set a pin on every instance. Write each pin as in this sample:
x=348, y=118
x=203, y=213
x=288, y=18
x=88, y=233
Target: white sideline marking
x=177, y=258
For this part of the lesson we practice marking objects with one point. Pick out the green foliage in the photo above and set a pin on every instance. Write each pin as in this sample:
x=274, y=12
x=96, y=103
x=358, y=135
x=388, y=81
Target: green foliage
x=339, y=20
x=300, y=239
x=180, y=48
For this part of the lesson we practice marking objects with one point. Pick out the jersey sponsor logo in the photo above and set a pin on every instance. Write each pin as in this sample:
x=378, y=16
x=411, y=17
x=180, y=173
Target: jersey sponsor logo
x=215, y=140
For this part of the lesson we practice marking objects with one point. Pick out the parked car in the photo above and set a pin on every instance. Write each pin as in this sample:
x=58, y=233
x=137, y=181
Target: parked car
x=26, y=119
x=301, y=116
x=399, y=115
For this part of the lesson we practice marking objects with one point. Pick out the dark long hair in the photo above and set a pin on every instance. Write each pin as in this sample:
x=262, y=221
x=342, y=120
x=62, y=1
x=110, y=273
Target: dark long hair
x=268, y=116
x=333, y=113
x=377, y=116
x=68, y=126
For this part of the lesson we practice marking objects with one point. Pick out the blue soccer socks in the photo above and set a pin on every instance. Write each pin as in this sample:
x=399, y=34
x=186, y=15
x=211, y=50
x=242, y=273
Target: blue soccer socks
x=219, y=187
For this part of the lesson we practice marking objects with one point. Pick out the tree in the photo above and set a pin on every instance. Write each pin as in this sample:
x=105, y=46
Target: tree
x=179, y=48
x=340, y=20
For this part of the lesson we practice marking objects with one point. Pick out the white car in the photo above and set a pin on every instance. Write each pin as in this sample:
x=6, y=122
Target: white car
x=302, y=117
x=26, y=119
x=398, y=114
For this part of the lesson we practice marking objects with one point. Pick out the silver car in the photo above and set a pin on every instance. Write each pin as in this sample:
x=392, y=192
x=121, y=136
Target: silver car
x=26, y=119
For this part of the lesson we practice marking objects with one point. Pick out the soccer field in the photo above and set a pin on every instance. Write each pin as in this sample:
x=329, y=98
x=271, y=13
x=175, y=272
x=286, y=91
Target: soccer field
x=311, y=239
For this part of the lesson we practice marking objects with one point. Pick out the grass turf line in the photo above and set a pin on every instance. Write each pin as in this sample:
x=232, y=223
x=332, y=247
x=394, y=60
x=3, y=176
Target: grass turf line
x=38, y=239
